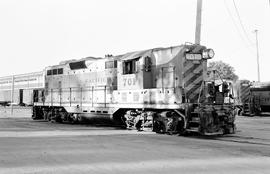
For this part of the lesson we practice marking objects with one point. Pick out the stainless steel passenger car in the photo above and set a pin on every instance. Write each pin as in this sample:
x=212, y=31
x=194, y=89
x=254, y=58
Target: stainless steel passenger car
x=19, y=89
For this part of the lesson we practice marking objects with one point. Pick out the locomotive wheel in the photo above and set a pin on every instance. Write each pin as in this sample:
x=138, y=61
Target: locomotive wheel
x=49, y=118
x=240, y=113
x=58, y=119
x=45, y=115
x=73, y=119
x=180, y=127
x=159, y=127
x=80, y=119
x=34, y=116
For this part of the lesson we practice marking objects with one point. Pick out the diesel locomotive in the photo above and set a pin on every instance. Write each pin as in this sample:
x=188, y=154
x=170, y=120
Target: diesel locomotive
x=160, y=89
x=253, y=97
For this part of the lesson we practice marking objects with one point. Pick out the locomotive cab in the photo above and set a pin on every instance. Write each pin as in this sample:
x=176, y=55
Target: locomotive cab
x=135, y=71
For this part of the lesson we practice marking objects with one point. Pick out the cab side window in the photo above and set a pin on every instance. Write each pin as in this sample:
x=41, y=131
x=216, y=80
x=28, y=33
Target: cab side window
x=49, y=72
x=147, y=63
x=111, y=64
x=54, y=71
x=130, y=66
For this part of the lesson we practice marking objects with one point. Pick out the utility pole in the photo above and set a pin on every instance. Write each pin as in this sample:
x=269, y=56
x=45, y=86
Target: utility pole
x=12, y=95
x=257, y=46
x=198, y=22
x=198, y=32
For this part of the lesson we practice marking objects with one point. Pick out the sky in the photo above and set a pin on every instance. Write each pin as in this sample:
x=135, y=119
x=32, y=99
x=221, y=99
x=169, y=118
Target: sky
x=39, y=33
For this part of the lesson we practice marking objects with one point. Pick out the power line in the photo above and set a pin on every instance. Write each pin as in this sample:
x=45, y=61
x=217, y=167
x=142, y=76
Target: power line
x=236, y=26
x=241, y=23
x=238, y=31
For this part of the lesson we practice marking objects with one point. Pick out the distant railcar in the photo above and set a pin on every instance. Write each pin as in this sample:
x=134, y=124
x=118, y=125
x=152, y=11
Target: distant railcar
x=242, y=96
x=162, y=88
x=260, y=97
x=253, y=97
x=21, y=87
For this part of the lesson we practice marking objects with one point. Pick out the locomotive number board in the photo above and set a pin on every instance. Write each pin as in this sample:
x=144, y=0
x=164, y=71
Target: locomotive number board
x=193, y=56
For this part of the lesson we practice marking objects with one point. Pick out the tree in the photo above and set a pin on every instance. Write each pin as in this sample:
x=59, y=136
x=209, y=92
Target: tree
x=219, y=69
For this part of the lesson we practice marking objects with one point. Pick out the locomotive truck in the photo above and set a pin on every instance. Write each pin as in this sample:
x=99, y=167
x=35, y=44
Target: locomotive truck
x=161, y=89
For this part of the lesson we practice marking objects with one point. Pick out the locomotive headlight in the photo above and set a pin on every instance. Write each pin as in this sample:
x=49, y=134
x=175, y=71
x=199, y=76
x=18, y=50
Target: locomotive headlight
x=208, y=54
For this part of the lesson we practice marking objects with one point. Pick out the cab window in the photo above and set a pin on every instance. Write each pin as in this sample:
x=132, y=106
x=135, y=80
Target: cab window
x=60, y=71
x=54, y=71
x=111, y=64
x=49, y=72
x=130, y=66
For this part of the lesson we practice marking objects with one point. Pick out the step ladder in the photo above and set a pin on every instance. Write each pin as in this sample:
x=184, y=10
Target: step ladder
x=246, y=109
x=193, y=124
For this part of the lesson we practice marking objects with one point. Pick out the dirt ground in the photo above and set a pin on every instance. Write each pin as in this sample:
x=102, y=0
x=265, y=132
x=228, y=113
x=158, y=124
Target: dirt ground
x=28, y=146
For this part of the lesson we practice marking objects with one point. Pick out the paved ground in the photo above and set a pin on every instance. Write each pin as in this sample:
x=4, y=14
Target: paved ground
x=28, y=146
